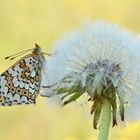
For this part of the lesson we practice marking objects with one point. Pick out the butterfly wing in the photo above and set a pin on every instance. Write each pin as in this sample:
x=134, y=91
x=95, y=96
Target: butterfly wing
x=20, y=84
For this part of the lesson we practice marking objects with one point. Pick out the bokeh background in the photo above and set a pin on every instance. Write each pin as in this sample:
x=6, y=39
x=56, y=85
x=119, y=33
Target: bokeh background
x=25, y=22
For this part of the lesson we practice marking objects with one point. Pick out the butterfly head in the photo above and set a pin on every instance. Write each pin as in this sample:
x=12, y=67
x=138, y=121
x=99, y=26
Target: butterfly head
x=37, y=50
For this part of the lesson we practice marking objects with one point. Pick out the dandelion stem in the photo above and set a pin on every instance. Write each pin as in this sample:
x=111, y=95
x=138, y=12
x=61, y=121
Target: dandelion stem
x=105, y=120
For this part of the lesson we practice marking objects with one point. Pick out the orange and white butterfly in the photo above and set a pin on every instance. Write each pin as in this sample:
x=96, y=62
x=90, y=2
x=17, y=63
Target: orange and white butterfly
x=21, y=83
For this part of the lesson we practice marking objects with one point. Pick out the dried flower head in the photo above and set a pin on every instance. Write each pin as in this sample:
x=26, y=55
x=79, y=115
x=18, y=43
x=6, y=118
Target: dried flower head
x=101, y=60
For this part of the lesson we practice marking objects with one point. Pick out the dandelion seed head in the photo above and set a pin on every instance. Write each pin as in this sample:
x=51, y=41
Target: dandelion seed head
x=101, y=59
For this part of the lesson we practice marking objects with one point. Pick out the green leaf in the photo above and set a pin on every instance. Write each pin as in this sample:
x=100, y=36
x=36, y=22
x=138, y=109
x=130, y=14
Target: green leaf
x=121, y=96
x=114, y=109
x=73, y=98
x=97, y=115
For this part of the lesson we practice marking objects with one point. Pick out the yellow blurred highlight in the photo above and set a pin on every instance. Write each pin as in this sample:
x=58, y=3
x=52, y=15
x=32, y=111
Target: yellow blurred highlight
x=26, y=22
x=70, y=138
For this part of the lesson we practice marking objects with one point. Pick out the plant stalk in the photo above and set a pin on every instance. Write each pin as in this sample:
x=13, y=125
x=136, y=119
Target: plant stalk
x=105, y=120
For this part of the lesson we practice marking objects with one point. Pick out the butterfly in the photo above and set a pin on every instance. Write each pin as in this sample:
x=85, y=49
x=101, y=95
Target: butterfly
x=21, y=83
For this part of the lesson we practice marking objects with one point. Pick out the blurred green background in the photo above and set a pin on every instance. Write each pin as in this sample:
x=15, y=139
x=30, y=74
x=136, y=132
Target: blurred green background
x=25, y=22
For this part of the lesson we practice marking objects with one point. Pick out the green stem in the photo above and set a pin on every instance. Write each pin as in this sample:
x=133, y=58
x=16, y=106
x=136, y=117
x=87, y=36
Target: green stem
x=105, y=120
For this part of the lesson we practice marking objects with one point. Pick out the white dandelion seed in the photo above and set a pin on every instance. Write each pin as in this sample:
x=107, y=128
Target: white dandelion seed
x=100, y=59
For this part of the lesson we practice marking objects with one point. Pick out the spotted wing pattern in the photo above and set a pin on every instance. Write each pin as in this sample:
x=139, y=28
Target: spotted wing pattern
x=20, y=84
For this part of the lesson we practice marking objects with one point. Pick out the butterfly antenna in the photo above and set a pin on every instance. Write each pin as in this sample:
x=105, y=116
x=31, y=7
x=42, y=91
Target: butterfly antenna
x=11, y=57
x=49, y=54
